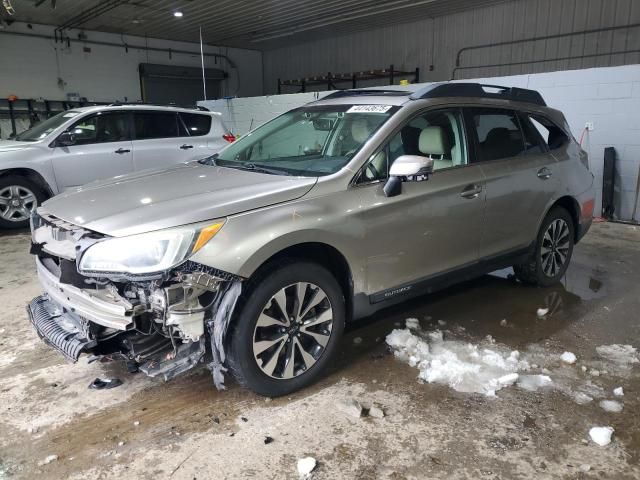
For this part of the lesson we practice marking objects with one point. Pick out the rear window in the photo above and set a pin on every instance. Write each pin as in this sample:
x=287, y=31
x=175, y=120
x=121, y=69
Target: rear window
x=196, y=124
x=157, y=125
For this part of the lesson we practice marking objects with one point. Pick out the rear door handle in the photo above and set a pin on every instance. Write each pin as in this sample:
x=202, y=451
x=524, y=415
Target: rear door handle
x=544, y=173
x=471, y=191
x=120, y=151
x=186, y=147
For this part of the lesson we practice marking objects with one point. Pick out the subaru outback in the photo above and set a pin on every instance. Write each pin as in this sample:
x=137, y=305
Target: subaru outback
x=252, y=260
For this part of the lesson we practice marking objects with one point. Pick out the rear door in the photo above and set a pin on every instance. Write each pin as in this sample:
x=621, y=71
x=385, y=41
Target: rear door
x=518, y=171
x=161, y=140
x=102, y=149
x=432, y=226
x=207, y=133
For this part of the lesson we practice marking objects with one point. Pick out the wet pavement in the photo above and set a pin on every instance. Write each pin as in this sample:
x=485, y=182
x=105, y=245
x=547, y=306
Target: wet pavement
x=186, y=429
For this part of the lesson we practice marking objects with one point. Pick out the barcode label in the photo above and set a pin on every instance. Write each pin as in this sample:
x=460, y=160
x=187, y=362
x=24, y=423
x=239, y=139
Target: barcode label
x=369, y=109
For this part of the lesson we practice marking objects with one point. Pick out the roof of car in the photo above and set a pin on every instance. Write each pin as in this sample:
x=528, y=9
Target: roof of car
x=135, y=106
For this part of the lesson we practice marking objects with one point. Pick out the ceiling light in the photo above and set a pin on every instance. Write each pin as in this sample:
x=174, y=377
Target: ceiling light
x=178, y=14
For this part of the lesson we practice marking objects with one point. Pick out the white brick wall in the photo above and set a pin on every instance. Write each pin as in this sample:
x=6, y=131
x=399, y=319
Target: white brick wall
x=609, y=97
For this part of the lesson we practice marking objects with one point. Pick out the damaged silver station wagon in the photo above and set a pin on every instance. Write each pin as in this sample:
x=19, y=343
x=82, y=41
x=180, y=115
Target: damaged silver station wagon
x=253, y=259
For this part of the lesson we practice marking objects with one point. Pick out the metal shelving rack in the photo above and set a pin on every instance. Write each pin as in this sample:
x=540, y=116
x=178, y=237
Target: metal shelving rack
x=36, y=110
x=332, y=80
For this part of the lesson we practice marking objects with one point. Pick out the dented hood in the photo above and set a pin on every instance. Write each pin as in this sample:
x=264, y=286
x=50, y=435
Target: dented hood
x=156, y=199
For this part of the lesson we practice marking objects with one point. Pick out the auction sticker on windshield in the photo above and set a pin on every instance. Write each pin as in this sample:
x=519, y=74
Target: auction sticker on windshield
x=369, y=109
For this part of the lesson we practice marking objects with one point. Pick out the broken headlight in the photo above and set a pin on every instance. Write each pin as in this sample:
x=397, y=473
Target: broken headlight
x=148, y=252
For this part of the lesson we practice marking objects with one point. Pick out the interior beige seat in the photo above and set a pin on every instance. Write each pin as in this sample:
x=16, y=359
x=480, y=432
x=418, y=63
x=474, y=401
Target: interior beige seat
x=433, y=143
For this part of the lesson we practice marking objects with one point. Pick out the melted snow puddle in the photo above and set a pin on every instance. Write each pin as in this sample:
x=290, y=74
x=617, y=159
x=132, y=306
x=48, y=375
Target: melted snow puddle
x=487, y=367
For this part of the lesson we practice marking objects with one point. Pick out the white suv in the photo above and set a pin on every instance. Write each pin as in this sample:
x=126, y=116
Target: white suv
x=85, y=144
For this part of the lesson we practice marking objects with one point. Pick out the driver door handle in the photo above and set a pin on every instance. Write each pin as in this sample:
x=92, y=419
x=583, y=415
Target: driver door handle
x=120, y=151
x=544, y=173
x=471, y=191
x=186, y=147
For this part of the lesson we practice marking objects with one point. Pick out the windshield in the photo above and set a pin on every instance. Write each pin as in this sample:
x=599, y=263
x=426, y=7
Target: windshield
x=42, y=129
x=307, y=141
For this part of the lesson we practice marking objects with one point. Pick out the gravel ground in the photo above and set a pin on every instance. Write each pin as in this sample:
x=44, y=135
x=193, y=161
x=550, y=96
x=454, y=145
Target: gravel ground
x=53, y=426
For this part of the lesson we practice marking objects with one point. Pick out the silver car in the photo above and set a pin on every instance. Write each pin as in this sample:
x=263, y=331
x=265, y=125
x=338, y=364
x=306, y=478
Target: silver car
x=253, y=259
x=89, y=143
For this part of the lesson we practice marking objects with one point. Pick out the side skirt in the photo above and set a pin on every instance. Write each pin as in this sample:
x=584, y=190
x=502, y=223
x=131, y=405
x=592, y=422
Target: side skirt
x=365, y=305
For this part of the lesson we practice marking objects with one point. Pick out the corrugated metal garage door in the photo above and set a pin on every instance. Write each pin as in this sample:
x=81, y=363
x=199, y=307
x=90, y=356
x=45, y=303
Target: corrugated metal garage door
x=166, y=84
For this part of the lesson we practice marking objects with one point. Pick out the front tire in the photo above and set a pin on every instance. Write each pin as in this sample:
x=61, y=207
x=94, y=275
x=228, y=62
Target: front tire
x=287, y=328
x=552, y=253
x=19, y=197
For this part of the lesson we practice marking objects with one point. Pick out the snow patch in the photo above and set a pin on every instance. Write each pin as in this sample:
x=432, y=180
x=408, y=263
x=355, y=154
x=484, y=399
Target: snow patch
x=533, y=383
x=306, y=466
x=568, y=357
x=620, y=354
x=601, y=435
x=611, y=406
x=465, y=367
x=542, y=312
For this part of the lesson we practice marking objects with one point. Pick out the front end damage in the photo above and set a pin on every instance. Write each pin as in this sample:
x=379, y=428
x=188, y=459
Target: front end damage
x=162, y=325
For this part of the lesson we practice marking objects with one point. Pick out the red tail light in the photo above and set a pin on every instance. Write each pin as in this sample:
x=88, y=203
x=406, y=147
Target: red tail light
x=229, y=137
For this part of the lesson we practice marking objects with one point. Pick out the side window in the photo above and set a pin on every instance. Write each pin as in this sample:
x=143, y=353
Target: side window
x=498, y=132
x=197, y=124
x=553, y=135
x=533, y=143
x=157, y=125
x=436, y=134
x=102, y=127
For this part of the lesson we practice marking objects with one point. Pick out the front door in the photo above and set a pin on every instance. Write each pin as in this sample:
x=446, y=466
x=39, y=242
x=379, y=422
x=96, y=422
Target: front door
x=102, y=150
x=433, y=226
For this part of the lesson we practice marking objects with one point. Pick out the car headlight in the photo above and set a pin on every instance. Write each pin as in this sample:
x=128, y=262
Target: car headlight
x=148, y=252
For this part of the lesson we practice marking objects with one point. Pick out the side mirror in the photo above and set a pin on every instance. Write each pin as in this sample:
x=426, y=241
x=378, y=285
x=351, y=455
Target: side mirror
x=407, y=168
x=66, y=139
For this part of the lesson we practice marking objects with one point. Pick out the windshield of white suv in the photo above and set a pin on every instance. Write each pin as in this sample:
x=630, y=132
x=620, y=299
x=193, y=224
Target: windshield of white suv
x=42, y=129
x=308, y=141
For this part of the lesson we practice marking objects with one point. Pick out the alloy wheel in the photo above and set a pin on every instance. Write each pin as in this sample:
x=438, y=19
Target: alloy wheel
x=292, y=331
x=555, y=247
x=17, y=203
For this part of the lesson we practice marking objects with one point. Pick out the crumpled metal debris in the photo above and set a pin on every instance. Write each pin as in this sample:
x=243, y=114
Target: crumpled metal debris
x=105, y=383
x=223, y=307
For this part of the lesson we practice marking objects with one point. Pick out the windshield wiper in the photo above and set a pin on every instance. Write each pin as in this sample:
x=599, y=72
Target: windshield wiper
x=209, y=160
x=252, y=167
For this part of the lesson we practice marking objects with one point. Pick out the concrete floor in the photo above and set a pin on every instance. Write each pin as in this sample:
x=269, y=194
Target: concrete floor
x=188, y=430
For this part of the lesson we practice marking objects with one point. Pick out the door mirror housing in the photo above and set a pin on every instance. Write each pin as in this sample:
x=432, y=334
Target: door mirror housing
x=66, y=139
x=407, y=168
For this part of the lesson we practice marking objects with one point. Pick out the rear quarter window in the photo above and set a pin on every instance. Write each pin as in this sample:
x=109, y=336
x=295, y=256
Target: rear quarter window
x=197, y=124
x=553, y=135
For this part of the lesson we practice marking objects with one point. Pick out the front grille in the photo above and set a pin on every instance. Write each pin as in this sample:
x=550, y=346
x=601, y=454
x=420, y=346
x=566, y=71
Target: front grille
x=45, y=319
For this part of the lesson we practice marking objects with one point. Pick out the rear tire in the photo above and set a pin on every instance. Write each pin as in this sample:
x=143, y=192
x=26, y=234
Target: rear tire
x=552, y=252
x=19, y=197
x=275, y=352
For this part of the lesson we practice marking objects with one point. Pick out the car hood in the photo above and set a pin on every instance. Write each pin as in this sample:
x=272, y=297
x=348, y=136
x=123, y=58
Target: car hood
x=13, y=145
x=187, y=193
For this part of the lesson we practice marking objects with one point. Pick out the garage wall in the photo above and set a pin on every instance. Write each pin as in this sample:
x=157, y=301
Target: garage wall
x=609, y=97
x=432, y=44
x=30, y=67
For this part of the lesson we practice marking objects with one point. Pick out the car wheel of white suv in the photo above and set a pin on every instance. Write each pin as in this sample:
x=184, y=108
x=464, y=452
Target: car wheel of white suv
x=287, y=329
x=19, y=197
x=553, y=250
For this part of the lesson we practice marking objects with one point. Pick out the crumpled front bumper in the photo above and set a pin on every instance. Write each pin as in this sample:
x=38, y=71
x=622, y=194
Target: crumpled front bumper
x=64, y=332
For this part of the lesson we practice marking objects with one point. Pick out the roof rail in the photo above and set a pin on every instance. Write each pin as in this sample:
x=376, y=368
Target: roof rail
x=478, y=90
x=190, y=107
x=355, y=93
